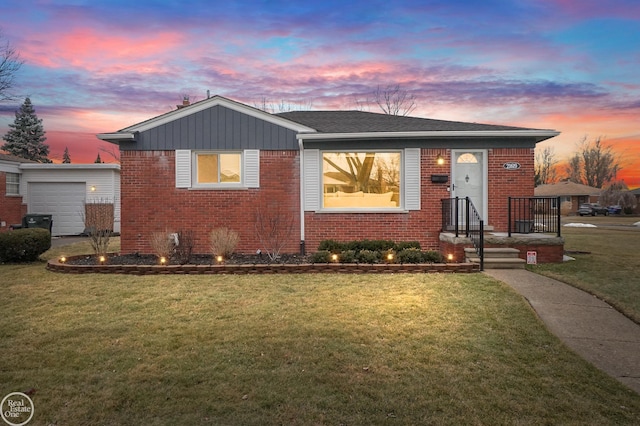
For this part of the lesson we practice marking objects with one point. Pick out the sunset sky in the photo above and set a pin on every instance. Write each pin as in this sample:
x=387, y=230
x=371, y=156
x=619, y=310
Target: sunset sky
x=99, y=66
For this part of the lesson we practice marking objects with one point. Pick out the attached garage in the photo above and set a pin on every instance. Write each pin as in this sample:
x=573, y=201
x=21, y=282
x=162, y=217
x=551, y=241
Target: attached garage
x=64, y=190
x=64, y=200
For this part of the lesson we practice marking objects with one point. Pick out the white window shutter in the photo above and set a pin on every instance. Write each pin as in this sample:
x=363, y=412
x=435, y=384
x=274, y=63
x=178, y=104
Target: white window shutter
x=183, y=168
x=311, y=170
x=412, y=178
x=251, y=168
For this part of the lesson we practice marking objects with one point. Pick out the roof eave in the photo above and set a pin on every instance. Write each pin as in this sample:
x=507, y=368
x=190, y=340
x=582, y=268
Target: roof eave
x=117, y=137
x=539, y=135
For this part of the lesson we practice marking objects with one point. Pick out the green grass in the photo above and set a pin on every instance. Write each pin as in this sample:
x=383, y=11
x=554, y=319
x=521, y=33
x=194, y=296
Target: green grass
x=297, y=349
x=610, y=269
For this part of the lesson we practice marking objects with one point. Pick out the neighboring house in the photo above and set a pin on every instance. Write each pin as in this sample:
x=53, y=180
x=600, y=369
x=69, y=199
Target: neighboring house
x=636, y=193
x=571, y=195
x=316, y=175
x=12, y=208
x=61, y=190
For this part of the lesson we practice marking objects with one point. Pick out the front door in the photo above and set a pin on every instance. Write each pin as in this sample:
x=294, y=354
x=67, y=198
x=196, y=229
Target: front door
x=469, y=178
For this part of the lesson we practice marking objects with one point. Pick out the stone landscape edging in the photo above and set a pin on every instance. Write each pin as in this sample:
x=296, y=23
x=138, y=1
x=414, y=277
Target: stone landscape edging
x=56, y=265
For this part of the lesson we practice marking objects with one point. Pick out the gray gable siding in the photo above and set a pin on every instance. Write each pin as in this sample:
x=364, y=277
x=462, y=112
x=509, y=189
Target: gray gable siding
x=217, y=128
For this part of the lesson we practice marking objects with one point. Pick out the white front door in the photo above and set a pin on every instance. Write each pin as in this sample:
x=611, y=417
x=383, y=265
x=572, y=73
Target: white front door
x=468, y=176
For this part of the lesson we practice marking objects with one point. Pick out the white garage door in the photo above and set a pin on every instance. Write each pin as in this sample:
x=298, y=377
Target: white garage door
x=64, y=200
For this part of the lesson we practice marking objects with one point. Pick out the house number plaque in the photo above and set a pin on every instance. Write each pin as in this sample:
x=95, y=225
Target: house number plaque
x=511, y=166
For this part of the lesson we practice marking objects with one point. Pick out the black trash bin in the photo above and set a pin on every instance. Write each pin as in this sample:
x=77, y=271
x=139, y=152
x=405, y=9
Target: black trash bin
x=44, y=221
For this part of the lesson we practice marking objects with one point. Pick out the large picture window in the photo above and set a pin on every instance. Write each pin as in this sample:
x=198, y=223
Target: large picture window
x=218, y=168
x=354, y=180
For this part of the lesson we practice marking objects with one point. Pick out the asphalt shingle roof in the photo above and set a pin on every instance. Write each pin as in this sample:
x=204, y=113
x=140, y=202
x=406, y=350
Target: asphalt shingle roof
x=360, y=122
x=9, y=157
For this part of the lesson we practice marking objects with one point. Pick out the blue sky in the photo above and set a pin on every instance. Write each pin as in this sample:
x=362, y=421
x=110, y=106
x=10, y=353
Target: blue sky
x=97, y=66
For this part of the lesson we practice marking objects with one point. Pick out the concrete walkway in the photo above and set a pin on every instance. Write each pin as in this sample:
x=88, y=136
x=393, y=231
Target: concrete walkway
x=586, y=324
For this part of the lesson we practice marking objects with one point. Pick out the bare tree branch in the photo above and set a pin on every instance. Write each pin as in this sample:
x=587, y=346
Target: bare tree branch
x=394, y=101
x=10, y=63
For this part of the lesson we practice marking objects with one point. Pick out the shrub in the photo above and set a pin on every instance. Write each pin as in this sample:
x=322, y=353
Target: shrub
x=368, y=256
x=163, y=244
x=371, y=245
x=410, y=255
x=332, y=245
x=223, y=241
x=184, y=248
x=321, y=256
x=348, y=256
x=432, y=256
x=406, y=244
x=24, y=245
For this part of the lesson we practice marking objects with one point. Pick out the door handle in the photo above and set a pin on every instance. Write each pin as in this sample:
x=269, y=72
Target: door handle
x=453, y=186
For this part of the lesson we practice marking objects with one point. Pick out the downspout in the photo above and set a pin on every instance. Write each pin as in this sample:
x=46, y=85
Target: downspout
x=302, y=245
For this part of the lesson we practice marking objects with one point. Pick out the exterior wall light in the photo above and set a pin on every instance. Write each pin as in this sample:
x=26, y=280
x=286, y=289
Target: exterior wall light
x=440, y=160
x=93, y=188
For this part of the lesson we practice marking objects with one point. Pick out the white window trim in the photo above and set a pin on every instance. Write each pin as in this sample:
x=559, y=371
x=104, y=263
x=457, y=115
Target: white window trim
x=409, y=185
x=186, y=170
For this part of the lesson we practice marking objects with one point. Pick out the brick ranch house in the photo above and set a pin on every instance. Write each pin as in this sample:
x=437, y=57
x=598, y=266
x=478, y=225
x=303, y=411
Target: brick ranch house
x=343, y=175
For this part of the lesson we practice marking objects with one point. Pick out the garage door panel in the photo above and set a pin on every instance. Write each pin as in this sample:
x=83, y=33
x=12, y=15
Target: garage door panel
x=64, y=200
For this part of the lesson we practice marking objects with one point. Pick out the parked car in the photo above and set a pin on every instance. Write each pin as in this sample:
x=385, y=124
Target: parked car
x=592, y=209
x=615, y=209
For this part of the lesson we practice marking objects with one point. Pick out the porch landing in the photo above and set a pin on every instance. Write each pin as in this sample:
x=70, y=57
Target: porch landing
x=548, y=248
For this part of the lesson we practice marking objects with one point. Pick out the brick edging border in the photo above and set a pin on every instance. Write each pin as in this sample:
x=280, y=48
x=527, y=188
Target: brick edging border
x=55, y=265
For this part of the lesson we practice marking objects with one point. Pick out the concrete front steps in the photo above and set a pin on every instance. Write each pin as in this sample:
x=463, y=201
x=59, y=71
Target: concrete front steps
x=497, y=258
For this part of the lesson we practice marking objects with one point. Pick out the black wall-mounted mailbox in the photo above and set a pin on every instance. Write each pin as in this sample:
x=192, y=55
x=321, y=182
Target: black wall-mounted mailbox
x=439, y=178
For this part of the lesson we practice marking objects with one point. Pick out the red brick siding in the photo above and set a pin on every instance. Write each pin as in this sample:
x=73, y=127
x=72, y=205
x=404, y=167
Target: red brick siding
x=152, y=203
x=11, y=208
x=505, y=183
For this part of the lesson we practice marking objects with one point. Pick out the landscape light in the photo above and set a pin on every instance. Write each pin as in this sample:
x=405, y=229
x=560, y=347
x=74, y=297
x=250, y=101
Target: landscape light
x=163, y=260
x=62, y=259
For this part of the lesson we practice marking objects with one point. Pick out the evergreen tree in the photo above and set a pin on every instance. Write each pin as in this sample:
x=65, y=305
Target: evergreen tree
x=98, y=160
x=25, y=137
x=66, y=159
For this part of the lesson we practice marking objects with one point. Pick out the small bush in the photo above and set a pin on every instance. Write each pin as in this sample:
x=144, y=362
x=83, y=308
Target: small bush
x=162, y=244
x=406, y=244
x=321, y=256
x=184, y=248
x=368, y=256
x=223, y=241
x=371, y=245
x=410, y=255
x=348, y=256
x=432, y=257
x=24, y=245
x=332, y=246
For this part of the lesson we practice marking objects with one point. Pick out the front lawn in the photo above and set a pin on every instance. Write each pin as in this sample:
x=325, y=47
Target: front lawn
x=607, y=261
x=292, y=349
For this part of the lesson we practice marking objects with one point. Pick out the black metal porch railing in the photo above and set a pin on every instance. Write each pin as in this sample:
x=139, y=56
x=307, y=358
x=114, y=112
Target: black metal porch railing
x=460, y=215
x=528, y=215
